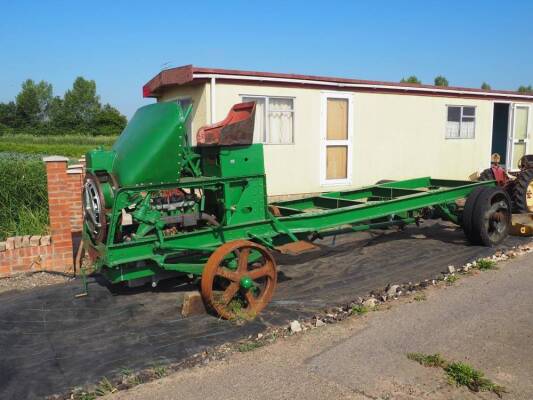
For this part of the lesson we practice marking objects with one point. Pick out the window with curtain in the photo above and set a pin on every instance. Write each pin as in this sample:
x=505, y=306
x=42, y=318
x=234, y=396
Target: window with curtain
x=461, y=122
x=274, y=119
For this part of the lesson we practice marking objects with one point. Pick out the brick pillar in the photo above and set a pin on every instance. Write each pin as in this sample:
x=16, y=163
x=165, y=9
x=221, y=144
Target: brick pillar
x=74, y=186
x=59, y=203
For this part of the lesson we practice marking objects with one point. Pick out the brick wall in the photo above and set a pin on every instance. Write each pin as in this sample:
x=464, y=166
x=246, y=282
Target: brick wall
x=54, y=252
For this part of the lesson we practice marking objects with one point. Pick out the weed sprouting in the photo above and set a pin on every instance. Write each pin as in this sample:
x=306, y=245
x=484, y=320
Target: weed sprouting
x=420, y=296
x=462, y=374
x=484, y=264
x=459, y=373
x=160, y=371
x=427, y=360
x=360, y=309
x=451, y=279
x=249, y=346
x=105, y=387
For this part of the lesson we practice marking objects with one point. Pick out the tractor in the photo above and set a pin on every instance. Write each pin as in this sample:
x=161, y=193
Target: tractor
x=517, y=184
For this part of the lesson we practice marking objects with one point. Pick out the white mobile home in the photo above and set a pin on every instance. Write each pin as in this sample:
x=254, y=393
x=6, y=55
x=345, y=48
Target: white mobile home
x=323, y=134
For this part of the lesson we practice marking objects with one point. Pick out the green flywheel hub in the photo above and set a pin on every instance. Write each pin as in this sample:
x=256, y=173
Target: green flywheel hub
x=246, y=282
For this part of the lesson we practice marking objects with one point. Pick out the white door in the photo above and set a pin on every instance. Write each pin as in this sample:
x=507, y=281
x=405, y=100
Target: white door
x=520, y=129
x=336, y=151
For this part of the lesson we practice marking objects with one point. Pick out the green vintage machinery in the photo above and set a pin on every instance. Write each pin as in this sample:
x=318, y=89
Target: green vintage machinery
x=156, y=207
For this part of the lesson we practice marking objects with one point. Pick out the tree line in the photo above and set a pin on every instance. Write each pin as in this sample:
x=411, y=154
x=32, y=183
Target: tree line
x=37, y=111
x=442, y=81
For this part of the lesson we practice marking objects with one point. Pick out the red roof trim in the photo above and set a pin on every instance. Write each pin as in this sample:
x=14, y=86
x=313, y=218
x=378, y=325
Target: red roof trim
x=185, y=74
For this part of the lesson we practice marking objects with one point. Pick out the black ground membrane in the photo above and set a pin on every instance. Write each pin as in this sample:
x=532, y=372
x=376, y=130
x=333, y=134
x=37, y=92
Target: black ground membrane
x=51, y=342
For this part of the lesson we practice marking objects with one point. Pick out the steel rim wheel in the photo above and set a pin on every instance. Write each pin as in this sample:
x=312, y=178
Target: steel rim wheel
x=239, y=279
x=497, y=220
x=93, y=207
x=491, y=217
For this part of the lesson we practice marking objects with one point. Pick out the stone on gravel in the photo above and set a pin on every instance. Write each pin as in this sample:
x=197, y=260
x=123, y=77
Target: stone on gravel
x=371, y=302
x=391, y=291
x=451, y=269
x=192, y=304
x=295, y=326
x=319, y=323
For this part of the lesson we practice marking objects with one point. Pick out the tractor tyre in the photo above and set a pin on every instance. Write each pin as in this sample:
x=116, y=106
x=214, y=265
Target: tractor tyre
x=468, y=212
x=486, y=175
x=491, y=217
x=523, y=192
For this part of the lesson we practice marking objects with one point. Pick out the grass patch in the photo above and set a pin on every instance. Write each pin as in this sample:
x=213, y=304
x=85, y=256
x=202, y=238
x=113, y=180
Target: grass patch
x=459, y=373
x=160, y=371
x=105, y=387
x=483, y=264
x=360, y=309
x=427, y=360
x=85, y=396
x=420, y=296
x=238, y=307
x=451, y=279
x=249, y=346
x=462, y=374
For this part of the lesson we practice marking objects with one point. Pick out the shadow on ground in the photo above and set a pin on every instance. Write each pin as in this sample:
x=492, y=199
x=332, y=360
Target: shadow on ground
x=51, y=342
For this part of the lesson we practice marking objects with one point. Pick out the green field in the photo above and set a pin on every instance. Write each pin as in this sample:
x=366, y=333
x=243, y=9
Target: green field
x=66, y=145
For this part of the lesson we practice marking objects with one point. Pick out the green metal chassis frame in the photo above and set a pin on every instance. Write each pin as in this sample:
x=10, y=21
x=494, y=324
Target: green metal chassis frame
x=381, y=205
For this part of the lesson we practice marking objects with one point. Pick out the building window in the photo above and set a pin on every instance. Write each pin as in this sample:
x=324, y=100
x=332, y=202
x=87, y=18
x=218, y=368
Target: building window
x=274, y=119
x=461, y=123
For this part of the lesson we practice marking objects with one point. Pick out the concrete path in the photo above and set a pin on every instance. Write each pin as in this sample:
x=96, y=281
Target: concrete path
x=485, y=320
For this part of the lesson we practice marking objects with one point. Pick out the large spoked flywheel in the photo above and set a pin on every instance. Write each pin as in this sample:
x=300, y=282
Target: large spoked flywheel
x=239, y=279
x=94, y=207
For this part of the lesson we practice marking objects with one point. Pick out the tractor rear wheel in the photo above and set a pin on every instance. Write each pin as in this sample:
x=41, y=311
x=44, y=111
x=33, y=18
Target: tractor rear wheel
x=239, y=280
x=523, y=192
x=491, y=217
x=468, y=212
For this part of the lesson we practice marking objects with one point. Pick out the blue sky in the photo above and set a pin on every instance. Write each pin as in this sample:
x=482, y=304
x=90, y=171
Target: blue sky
x=122, y=44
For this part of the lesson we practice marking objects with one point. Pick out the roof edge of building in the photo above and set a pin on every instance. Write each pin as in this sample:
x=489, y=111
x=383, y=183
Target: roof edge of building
x=188, y=74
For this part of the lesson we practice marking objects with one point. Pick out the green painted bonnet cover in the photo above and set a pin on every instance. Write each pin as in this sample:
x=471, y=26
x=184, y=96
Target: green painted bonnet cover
x=148, y=149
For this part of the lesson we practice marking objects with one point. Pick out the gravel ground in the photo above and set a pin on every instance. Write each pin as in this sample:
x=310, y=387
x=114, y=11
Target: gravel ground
x=32, y=280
